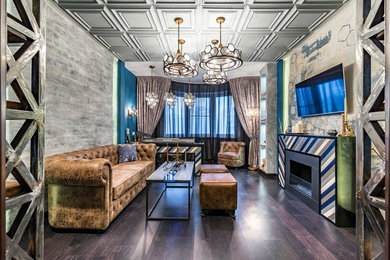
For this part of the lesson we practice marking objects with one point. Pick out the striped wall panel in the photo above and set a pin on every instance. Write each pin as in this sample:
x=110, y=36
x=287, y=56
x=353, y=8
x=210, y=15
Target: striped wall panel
x=196, y=150
x=323, y=147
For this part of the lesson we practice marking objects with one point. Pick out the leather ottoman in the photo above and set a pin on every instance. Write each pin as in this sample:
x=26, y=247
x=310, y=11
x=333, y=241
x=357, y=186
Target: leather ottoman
x=213, y=168
x=218, y=191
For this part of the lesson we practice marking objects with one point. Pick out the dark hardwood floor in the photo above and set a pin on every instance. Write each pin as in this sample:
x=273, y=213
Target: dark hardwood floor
x=271, y=224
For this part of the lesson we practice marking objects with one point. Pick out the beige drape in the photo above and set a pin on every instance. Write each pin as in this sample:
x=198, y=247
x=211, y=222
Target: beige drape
x=245, y=92
x=148, y=118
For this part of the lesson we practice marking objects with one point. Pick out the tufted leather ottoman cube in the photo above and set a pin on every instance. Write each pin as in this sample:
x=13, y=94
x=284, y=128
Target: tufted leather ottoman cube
x=215, y=168
x=218, y=191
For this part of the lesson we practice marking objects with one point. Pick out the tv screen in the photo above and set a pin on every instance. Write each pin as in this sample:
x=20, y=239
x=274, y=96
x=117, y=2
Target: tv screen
x=321, y=94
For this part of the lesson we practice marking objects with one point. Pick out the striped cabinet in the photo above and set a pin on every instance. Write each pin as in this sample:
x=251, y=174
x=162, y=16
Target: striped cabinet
x=325, y=148
x=196, y=151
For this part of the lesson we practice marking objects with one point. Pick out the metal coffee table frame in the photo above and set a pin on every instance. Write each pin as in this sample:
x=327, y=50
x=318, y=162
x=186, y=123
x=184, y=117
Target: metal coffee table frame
x=189, y=186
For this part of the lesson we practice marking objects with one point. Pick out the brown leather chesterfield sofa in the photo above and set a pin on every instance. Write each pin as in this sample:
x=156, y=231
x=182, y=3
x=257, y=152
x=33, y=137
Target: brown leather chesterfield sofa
x=87, y=189
x=232, y=154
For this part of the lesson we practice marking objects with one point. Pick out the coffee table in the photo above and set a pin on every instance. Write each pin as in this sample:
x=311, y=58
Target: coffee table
x=184, y=175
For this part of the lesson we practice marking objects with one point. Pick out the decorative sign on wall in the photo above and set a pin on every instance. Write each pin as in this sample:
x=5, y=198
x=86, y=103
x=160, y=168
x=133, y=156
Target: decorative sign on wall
x=316, y=45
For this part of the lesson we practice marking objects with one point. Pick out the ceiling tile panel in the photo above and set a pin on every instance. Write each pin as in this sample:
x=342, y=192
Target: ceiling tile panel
x=262, y=20
x=283, y=41
x=223, y=2
x=248, y=41
x=305, y=20
x=125, y=1
x=115, y=41
x=210, y=16
x=178, y=2
x=137, y=20
x=149, y=41
x=168, y=16
x=95, y=19
x=142, y=30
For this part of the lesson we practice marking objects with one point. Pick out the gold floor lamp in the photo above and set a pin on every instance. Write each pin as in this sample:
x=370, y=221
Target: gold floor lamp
x=252, y=113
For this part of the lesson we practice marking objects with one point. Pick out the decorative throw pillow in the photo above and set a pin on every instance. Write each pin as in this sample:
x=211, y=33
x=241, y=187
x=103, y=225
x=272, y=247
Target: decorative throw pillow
x=127, y=153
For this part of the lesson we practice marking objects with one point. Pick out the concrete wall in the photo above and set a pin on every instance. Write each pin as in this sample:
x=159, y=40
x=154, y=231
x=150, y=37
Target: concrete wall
x=333, y=42
x=79, y=98
x=271, y=131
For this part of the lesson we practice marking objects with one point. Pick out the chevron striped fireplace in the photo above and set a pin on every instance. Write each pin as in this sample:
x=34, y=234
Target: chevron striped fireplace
x=321, y=170
x=323, y=148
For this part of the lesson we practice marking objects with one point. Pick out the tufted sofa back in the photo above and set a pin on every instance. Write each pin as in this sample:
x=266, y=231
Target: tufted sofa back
x=109, y=152
x=145, y=152
x=231, y=146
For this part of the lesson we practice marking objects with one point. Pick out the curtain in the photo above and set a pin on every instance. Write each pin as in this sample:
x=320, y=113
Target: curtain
x=213, y=118
x=245, y=91
x=148, y=118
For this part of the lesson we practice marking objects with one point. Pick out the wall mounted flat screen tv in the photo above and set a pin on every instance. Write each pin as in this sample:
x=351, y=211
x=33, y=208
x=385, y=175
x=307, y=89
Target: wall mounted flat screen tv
x=322, y=94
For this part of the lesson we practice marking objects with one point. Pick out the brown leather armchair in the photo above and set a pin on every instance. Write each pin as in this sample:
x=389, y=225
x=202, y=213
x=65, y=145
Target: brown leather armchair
x=232, y=154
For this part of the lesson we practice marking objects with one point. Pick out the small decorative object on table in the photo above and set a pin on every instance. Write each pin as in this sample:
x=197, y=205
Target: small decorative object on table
x=346, y=128
x=332, y=132
x=170, y=177
x=139, y=136
x=262, y=166
x=127, y=135
x=178, y=161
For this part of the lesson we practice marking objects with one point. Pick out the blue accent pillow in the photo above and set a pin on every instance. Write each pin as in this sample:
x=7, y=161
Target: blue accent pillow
x=127, y=153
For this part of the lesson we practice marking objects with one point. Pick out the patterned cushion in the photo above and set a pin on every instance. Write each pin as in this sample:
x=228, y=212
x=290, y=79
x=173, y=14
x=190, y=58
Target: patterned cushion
x=127, y=153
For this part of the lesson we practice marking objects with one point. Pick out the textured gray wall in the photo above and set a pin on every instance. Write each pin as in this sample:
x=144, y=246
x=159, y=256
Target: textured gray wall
x=79, y=106
x=271, y=107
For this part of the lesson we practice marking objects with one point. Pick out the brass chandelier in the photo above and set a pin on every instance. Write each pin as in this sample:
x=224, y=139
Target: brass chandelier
x=217, y=57
x=181, y=65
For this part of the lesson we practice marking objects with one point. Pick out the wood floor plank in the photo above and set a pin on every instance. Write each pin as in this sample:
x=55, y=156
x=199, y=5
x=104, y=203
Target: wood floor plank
x=271, y=224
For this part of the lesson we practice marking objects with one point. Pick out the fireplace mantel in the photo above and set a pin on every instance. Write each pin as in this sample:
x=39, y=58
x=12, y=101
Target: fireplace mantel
x=337, y=184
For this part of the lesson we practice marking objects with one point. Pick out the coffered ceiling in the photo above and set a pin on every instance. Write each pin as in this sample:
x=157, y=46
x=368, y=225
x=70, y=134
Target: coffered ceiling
x=143, y=30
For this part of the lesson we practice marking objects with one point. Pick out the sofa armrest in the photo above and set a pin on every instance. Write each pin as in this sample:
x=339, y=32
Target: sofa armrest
x=146, y=152
x=95, y=172
x=222, y=147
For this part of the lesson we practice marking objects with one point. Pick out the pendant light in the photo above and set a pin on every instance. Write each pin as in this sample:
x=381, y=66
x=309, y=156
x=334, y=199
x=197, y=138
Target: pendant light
x=218, y=57
x=151, y=97
x=189, y=98
x=214, y=77
x=181, y=65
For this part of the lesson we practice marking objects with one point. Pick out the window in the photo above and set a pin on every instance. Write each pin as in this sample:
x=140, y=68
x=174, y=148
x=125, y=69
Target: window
x=224, y=123
x=174, y=118
x=200, y=118
x=212, y=116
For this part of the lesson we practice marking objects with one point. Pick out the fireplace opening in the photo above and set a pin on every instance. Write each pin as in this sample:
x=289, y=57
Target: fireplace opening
x=301, y=177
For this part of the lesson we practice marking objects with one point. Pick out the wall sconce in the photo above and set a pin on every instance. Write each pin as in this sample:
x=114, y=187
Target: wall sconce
x=132, y=111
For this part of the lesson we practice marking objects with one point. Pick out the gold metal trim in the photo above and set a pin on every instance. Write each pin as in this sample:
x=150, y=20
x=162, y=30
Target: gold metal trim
x=178, y=20
x=220, y=20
